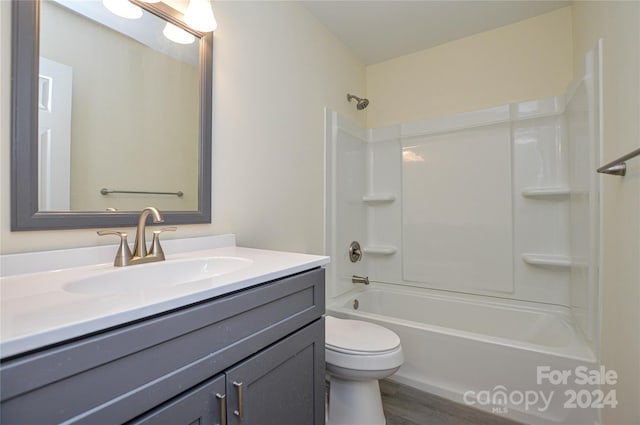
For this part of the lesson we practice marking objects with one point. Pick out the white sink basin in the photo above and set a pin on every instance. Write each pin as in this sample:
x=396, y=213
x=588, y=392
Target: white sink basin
x=156, y=275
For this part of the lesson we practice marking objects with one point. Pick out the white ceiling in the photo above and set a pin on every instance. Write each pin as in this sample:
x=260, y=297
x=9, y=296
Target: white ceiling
x=379, y=30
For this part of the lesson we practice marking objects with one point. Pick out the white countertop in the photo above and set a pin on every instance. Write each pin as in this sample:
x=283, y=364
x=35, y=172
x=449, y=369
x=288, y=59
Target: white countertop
x=36, y=310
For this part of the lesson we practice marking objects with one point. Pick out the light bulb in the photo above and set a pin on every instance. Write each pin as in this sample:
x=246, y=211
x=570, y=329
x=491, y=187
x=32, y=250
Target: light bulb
x=199, y=16
x=177, y=34
x=123, y=8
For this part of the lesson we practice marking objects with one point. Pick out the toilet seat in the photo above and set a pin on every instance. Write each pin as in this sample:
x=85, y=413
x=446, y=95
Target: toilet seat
x=359, y=337
x=363, y=346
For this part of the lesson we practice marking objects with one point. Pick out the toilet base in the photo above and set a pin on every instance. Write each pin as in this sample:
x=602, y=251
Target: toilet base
x=354, y=403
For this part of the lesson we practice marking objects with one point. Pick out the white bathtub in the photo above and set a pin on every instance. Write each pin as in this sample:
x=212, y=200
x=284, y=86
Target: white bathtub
x=479, y=352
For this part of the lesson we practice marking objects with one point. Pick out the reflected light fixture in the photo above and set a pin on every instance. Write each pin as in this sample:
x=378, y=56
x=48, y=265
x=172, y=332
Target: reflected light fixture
x=199, y=16
x=411, y=156
x=177, y=34
x=123, y=8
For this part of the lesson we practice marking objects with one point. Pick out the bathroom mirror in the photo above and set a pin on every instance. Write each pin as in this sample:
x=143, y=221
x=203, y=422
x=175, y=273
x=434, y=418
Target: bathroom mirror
x=110, y=115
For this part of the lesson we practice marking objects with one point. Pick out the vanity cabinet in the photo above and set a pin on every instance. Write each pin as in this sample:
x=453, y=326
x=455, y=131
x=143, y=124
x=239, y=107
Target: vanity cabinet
x=252, y=357
x=275, y=386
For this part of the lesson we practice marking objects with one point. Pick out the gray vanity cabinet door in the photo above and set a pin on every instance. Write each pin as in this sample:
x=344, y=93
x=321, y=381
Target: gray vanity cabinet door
x=201, y=405
x=282, y=385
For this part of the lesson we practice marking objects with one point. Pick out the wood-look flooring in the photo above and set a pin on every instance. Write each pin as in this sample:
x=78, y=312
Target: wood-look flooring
x=405, y=405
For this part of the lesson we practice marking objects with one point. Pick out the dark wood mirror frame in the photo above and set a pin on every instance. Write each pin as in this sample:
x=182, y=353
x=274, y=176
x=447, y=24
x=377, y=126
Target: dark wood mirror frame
x=24, y=119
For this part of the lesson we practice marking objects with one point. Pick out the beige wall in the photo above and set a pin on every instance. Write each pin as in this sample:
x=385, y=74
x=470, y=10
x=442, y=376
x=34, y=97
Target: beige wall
x=618, y=24
x=277, y=67
x=268, y=137
x=526, y=60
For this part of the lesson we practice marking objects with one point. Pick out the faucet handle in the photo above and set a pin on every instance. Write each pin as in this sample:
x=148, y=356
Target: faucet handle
x=111, y=232
x=166, y=229
x=156, y=249
x=124, y=253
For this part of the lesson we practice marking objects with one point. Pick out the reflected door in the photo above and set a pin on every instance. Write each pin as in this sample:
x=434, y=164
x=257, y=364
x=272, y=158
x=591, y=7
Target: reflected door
x=54, y=136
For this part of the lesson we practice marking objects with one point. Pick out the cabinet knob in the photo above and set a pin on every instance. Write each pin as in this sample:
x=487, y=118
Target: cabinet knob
x=240, y=411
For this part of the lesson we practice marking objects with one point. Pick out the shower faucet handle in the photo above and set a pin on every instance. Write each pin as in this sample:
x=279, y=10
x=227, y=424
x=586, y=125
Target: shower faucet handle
x=355, y=252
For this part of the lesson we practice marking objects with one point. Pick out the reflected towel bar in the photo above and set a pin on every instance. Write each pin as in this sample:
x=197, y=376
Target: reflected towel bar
x=105, y=191
x=618, y=167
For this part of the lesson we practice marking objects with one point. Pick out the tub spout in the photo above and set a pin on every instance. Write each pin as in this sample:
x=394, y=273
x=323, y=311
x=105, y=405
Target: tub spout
x=360, y=279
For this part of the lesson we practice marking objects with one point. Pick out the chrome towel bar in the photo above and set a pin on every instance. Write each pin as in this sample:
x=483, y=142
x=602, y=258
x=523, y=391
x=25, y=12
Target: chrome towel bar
x=618, y=167
x=105, y=191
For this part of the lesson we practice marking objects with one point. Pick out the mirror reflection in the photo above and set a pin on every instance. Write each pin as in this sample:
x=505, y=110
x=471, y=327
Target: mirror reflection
x=118, y=109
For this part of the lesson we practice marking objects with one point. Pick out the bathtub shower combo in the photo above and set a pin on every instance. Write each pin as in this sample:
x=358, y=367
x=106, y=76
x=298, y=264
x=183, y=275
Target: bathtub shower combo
x=479, y=233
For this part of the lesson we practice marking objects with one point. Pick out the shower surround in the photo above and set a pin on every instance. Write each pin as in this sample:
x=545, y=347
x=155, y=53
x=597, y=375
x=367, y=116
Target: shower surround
x=480, y=233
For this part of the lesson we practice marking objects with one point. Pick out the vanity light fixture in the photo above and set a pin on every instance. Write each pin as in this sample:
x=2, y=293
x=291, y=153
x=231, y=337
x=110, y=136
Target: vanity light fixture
x=177, y=35
x=199, y=16
x=123, y=8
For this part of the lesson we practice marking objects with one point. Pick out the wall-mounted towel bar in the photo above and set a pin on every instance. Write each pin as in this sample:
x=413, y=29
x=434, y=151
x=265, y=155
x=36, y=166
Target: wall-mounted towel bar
x=618, y=167
x=105, y=191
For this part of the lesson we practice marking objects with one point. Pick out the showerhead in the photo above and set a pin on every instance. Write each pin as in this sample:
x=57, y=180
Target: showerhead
x=362, y=103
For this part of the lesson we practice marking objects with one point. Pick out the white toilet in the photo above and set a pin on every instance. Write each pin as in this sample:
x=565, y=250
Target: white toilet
x=358, y=354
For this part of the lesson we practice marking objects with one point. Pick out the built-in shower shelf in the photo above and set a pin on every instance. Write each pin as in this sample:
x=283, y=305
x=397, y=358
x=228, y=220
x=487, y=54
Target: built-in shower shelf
x=379, y=198
x=380, y=250
x=546, y=192
x=544, y=260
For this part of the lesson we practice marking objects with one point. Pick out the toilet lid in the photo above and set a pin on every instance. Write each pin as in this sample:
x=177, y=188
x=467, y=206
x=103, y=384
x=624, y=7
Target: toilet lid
x=358, y=336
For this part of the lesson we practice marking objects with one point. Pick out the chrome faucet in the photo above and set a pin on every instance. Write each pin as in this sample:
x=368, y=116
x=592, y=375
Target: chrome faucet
x=140, y=255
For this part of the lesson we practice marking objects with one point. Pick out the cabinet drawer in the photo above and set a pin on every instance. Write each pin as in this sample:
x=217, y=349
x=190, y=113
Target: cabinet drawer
x=114, y=376
x=202, y=406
